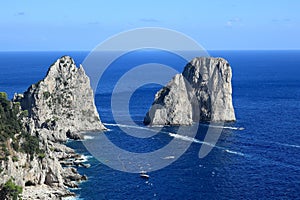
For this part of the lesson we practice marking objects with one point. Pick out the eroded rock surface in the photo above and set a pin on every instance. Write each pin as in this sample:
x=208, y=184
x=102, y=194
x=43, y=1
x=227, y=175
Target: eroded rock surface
x=63, y=102
x=203, y=92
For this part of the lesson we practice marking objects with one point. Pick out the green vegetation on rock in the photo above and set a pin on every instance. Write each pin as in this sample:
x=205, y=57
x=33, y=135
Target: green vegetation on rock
x=9, y=122
x=11, y=129
x=46, y=94
x=11, y=190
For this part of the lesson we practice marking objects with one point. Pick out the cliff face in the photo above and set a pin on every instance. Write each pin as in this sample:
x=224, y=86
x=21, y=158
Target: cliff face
x=62, y=103
x=59, y=106
x=202, y=92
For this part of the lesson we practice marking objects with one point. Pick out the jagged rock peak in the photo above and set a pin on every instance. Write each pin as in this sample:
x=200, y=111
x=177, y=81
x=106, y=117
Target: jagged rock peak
x=202, y=92
x=63, y=102
x=65, y=66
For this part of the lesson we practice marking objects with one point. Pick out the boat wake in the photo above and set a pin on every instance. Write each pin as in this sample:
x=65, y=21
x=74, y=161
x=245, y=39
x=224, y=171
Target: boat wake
x=234, y=152
x=183, y=137
x=127, y=126
x=190, y=139
x=287, y=145
x=168, y=157
x=224, y=127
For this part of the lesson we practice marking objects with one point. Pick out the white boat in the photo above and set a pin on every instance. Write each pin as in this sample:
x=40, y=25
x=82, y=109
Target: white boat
x=144, y=175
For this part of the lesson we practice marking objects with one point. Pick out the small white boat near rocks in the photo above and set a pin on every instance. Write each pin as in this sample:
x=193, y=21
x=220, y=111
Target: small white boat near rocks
x=144, y=175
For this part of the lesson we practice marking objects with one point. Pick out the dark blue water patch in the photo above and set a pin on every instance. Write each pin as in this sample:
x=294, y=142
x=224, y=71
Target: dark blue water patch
x=141, y=101
x=138, y=145
x=139, y=104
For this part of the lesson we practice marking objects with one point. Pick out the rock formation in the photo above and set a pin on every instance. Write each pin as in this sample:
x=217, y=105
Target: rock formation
x=62, y=103
x=202, y=92
x=59, y=106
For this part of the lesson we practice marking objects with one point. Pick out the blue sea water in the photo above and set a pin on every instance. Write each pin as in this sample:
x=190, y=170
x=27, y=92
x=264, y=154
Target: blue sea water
x=260, y=162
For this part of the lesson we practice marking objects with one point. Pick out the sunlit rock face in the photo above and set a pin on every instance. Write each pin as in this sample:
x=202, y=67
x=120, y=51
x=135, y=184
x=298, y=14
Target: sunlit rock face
x=203, y=92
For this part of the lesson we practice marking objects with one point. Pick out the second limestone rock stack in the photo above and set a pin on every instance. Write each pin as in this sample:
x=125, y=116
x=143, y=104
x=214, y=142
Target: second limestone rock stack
x=203, y=92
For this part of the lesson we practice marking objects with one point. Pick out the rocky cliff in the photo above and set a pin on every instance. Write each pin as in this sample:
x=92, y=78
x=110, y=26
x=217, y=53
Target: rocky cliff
x=58, y=107
x=62, y=103
x=202, y=92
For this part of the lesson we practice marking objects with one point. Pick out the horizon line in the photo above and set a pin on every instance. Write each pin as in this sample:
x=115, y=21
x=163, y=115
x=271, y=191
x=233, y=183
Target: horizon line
x=85, y=50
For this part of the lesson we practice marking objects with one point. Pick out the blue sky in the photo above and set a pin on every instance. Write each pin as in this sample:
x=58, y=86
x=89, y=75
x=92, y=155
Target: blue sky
x=215, y=24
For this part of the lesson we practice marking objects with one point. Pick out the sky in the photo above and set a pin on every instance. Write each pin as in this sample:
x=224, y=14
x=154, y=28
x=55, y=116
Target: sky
x=60, y=25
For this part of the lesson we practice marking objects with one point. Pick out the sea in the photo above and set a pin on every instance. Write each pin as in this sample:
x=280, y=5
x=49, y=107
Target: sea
x=256, y=157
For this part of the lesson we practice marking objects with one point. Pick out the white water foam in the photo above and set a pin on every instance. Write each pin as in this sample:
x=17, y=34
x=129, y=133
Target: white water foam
x=84, y=158
x=72, y=198
x=88, y=137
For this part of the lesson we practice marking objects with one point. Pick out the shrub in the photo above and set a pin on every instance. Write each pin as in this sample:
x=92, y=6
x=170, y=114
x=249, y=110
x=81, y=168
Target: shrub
x=46, y=95
x=41, y=155
x=15, y=159
x=15, y=145
x=3, y=95
x=24, y=113
x=12, y=190
x=31, y=145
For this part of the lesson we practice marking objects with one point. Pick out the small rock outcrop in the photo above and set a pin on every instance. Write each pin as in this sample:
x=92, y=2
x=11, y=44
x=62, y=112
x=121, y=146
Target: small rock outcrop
x=202, y=92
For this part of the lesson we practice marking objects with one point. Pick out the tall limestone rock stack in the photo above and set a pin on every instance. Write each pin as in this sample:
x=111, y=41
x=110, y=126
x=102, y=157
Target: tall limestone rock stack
x=202, y=92
x=62, y=103
x=59, y=106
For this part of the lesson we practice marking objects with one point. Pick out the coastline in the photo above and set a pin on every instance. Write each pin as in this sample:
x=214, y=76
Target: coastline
x=48, y=114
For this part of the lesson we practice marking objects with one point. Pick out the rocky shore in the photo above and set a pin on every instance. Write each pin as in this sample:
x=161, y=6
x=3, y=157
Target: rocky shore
x=59, y=107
